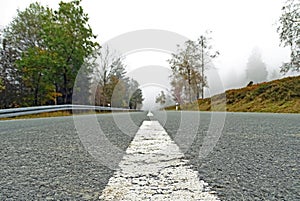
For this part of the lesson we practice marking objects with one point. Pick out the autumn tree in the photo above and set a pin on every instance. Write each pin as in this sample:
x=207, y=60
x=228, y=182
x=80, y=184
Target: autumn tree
x=289, y=33
x=188, y=65
x=184, y=67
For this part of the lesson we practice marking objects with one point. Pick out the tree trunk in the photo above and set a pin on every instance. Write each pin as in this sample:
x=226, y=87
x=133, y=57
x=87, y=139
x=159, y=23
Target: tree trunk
x=36, y=91
x=65, y=95
x=189, y=83
x=202, y=70
x=55, y=99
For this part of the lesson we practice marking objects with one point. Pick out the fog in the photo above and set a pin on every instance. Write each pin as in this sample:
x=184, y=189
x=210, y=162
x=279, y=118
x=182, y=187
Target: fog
x=237, y=27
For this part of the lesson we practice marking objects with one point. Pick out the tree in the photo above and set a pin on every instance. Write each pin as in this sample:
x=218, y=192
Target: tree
x=1, y=85
x=118, y=91
x=289, y=33
x=134, y=95
x=118, y=83
x=256, y=70
x=189, y=65
x=161, y=98
x=13, y=92
x=82, y=89
x=24, y=37
x=69, y=39
x=42, y=53
x=184, y=68
x=110, y=84
x=177, y=84
x=109, y=72
x=136, y=99
x=206, y=55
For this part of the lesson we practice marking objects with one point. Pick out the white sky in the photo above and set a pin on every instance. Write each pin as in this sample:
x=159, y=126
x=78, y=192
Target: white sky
x=238, y=26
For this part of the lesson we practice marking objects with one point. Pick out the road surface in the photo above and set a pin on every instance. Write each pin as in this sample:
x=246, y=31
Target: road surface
x=255, y=158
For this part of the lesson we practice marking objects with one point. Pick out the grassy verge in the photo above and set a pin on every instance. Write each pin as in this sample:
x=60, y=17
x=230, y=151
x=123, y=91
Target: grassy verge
x=53, y=114
x=278, y=96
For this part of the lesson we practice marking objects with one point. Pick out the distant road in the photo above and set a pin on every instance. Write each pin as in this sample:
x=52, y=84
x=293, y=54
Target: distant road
x=256, y=157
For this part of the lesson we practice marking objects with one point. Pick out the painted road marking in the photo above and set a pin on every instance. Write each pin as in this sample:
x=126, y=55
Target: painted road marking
x=149, y=114
x=154, y=168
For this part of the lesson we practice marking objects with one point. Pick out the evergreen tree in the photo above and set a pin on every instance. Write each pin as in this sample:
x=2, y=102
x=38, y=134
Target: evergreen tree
x=256, y=70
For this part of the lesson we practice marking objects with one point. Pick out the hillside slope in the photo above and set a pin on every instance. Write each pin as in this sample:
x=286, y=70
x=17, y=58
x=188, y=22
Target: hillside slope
x=280, y=96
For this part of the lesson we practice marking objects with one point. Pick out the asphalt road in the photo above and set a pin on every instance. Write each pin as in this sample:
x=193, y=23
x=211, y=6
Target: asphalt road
x=44, y=159
x=255, y=158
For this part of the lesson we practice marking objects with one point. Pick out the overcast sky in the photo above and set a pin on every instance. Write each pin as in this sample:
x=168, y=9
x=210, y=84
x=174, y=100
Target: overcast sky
x=237, y=25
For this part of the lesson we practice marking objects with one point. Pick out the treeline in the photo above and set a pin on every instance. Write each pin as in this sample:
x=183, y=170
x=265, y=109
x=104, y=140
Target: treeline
x=41, y=53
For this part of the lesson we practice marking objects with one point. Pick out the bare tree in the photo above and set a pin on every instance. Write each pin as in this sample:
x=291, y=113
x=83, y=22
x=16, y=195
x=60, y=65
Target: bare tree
x=206, y=55
x=110, y=67
x=111, y=86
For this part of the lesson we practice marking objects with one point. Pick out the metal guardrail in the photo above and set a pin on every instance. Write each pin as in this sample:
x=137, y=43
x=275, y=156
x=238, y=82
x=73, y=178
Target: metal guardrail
x=13, y=112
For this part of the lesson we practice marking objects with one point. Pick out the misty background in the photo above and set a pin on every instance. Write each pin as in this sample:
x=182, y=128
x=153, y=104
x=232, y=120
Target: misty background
x=244, y=32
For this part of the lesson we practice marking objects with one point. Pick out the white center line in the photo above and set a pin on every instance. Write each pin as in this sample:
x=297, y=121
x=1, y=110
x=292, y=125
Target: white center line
x=154, y=168
x=149, y=114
